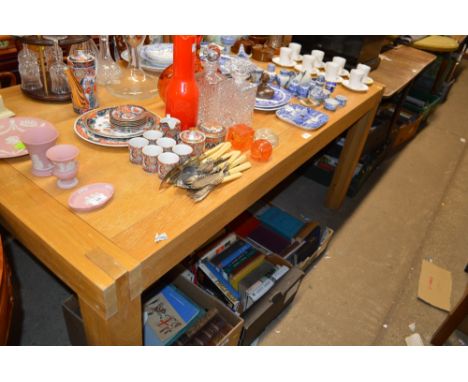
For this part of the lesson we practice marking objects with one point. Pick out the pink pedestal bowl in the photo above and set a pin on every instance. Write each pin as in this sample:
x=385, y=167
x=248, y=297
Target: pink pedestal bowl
x=65, y=165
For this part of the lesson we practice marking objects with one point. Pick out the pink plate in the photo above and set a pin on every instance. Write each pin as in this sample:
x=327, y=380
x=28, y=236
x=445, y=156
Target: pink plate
x=91, y=197
x=10, y=132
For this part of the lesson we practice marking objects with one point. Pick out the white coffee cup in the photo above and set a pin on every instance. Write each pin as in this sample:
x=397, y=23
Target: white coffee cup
x=166, y=143
x=308, y=62
x=152, y=136
x=285, y=56
x=365, y=68
x=295, y=49
x=355, y=78
x=331, y=71
x=319, y=55
x=340, y=61
x=183, y=151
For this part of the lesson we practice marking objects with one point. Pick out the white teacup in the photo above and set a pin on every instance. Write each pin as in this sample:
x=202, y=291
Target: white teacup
x=355, y=78
x=332, y=71
x=365, y=68
x=340, y=61
x=308, y=62
x=285, y=55
x=295, y=49
x=319, y=55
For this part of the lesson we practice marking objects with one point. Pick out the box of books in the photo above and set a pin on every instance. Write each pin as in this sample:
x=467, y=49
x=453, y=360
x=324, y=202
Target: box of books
x=182, y=314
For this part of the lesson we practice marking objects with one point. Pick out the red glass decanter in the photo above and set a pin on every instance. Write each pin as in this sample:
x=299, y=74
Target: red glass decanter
x=168, y=73
x=182, y=91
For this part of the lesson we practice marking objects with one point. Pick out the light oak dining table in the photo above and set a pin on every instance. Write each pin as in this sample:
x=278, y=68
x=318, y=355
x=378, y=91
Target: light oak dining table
x=108, y=257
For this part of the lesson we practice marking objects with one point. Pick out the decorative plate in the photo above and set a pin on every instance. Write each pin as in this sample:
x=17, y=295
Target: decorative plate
x=10, y=132
x=87, y=135
x=302, y=116
x=281, y=98
x=91, y=197
x=362, y=88
x=128, y=113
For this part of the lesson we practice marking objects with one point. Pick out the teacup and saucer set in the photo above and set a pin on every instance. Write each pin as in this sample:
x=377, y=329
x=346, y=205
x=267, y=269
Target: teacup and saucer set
x=308, y=65
x=366, y=69
x=355, y=82
x=288, y=55
x=332, y=70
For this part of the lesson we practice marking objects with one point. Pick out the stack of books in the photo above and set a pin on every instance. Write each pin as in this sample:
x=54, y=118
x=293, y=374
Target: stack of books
x=238, y=272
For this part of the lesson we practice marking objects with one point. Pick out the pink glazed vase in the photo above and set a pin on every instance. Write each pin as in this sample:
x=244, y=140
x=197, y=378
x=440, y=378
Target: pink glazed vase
x=38, y=140
x=65, y=165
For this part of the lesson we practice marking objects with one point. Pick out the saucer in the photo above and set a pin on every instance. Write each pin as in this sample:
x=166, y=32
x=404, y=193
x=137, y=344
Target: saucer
x=362, y=88
x=338, y=79
x=344, y=73
x=91, y=197
x=276, y=60
x=320, y=65
x=298, y=58
x=300, y=68
x=368, y=81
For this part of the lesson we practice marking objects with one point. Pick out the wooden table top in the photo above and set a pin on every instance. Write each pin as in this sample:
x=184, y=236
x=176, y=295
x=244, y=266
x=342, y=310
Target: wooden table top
x=121, y=235
x=399, y=66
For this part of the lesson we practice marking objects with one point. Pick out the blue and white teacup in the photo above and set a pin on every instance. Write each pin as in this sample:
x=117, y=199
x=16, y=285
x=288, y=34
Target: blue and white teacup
x=303, y=91
x=331, y=104
x=341, y=100
x=330, y=86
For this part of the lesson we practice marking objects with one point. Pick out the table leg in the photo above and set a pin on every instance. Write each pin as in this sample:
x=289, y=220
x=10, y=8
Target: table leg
x=352, y=150
x=123, y=328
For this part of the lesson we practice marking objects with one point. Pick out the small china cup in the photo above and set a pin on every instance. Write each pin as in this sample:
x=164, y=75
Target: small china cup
x=152, y=136
x=135, y=146
x=65, y=165
x=166, y=143
x=341, y=100
x=332, y=70
x=319, y=56
x=295, y=50
x=331, y=104
x=150, y=158
x=308, y=62
x=38, y=140
x=341, y=63
x=183, y=151
x=365, y=68
x=166, y=162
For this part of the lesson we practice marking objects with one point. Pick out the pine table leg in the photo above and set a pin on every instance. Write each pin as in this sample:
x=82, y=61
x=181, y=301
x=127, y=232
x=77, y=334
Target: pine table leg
x=124, y=327
x=352, y=150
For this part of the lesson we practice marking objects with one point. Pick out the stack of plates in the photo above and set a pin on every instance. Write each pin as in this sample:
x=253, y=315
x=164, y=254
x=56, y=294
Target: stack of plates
x=98, y=126
x=155, y=57
x=280, y=99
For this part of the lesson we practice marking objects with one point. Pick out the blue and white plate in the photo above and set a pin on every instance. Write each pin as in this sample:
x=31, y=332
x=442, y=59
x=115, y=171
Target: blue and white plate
x=281, y=98
x=302, y=116
x=145, y=64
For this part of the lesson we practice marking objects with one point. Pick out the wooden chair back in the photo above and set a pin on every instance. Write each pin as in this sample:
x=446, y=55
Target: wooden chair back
x=6, y=297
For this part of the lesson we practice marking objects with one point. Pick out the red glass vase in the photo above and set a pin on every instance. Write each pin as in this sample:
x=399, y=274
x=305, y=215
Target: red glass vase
x=168, y=73
x=182, y=91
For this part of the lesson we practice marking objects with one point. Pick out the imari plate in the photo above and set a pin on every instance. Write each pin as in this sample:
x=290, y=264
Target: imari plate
x=281, y=98
x=10, y=132
x=302, y=116
x=87, y=135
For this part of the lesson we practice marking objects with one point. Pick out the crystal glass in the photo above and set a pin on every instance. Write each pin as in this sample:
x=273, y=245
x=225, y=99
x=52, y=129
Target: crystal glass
x=133, y=82
x=28, y=67
x=108, y=71
x=240, y=94
x=228, y=41
x=211, y=99
x=58, y=79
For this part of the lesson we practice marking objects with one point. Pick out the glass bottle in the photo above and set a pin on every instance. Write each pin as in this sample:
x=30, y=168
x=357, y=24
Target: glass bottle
x=240, y=94
x=182, y=91
x=209, y=84
x=108, y=71
x=28, y=67
x=168, y=73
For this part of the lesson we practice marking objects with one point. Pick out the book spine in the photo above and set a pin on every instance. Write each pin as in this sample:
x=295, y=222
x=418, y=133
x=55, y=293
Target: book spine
x=220, y=246
x=228, y=269
x=236, y=270
x=226, y=289
x=235, y=255
x=216, y=260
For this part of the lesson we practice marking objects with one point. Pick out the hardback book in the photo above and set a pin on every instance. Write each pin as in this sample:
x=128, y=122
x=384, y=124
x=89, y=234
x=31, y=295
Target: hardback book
x=230, y=254
x=169, y=314
x=280, y=222
x=267, y=238
x=246, y=269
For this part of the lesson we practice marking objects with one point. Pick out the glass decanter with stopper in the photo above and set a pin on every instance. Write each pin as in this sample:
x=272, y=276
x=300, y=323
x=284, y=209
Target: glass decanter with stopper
x=107, y=71
x=211, y=103
x=240, y=94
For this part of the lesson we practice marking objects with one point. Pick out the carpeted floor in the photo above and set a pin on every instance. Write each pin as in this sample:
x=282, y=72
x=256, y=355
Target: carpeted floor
x=363, y=291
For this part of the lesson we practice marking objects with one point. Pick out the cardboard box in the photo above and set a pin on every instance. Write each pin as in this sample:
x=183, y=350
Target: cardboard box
x=75, y=328
x=324, y=241
x=265, y=310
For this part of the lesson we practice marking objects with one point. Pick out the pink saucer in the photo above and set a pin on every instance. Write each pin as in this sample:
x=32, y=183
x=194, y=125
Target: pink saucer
x=91, y=197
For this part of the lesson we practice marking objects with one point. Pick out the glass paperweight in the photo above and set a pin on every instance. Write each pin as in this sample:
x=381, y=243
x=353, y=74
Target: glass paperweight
x=267, y=134
x=261, y=150
x=241, y=137
x=133, y=82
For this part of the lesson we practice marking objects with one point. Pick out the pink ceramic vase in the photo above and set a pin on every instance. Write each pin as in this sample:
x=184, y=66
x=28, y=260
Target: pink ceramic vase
x=65, y=165
x=38, y=140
